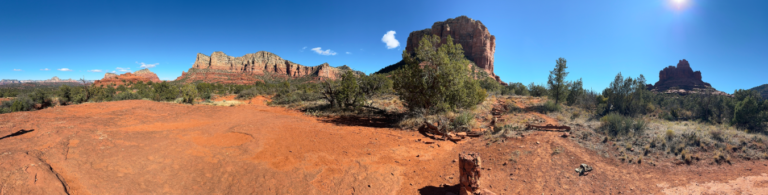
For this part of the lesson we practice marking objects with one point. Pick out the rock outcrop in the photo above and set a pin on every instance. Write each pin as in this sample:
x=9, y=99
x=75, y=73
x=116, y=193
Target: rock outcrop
x=221, y=68
x=469, y=175
x=478, y=44
x=123, y=79
x=681, y=77
x=682, y=80
x=147, y=74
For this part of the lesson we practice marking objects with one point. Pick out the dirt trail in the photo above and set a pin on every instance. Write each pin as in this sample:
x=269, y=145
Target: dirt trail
x=146, y=147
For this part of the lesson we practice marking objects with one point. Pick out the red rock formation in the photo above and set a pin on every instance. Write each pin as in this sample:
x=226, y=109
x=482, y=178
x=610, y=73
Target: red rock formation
x=681, y=77
x=479, y=45
x=111, y=78
x=222, y=68
x=147, y=74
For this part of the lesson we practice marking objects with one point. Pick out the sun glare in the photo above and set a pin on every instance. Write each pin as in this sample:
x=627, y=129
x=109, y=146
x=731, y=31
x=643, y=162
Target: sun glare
x=679, y=4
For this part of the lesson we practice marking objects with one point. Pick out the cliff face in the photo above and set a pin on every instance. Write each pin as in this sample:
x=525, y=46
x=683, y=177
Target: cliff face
x=220, y=67
x=478, y=44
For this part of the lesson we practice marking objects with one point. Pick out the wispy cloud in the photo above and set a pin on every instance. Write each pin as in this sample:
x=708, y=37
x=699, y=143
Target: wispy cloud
x=390, y=40
x=16, y=69
x=123, y=69
x=64, y=69
x=326, y=52
x=349, y=52
x=94, y=70
x=45, y=69
x=143, y=65
x=114, y=71
x=303, y=48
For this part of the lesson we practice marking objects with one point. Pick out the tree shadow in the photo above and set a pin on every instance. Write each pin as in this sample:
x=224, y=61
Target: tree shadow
x=375, y=121
x=435, y=190
x=17, y=133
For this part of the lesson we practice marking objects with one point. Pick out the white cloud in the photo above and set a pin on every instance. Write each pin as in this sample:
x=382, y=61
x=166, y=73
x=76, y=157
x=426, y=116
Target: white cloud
x=45, y=69
x=143, y=65
x=94, y=70
x=349, y=52
x=16, y=69
x=390, y=40
x=64, y=69
x=303, y=48
x=114, y=71
x=123, y=69
x=327, y=52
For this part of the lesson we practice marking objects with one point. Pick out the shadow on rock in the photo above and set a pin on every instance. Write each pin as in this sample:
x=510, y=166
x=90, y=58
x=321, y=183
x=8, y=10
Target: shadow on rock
x=434, y=190
x=20, y=132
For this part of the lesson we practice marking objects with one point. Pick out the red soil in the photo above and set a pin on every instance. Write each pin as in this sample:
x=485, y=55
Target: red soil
x=146, y=147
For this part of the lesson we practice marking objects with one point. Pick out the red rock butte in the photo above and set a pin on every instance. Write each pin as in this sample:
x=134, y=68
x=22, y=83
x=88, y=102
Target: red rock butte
x=221, y=68
x=682, y=77
x=478, y=44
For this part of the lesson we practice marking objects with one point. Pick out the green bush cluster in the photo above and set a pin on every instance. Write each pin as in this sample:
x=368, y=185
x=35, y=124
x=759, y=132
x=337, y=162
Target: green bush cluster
x=619, y=125
x=352, y=90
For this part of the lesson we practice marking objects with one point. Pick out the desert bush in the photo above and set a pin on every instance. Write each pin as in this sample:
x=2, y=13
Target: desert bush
x=518, y=89
x=64, y=93
x=21, y=103
x=491, y=86
x=443, y=83
x=164, y=91
x=625, y=96
x=537, y=90
x=618, y=125
x=575, y=91
x=750, y=111
x=126, y=96
x=550, y=106
x=189, y=93
x=463, y=121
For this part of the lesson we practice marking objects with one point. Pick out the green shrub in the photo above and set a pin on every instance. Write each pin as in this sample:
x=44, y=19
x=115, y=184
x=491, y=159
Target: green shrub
x=550, y=106
x=189, y=93
x=126, y=96
x=463, y=122
x=618, y=125
x=537, y=90
x=22, y=103
x=442, y=83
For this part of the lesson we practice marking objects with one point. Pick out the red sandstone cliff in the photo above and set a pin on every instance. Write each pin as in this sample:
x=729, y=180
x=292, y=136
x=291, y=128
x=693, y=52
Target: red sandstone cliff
x=147, y=74
x=478, y=44
x=221, y=68
x=682, y=80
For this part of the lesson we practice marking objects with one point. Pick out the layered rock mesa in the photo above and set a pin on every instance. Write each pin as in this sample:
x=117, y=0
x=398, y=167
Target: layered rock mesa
x=221, y=68
x=682, y=79
x=478, y=44
x=143, y=75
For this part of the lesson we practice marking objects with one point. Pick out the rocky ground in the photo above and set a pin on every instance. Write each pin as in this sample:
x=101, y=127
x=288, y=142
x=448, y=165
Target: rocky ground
x=146, y=147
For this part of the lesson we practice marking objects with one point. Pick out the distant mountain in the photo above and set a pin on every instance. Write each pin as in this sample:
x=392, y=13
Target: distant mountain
x=53, y=80
x=763, y=89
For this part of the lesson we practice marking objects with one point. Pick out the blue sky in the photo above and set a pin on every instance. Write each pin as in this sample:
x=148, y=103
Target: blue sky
x=726, y=40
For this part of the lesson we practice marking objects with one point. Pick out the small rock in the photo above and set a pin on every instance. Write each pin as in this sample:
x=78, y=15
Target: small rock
x=489, y=169
x=417, y=156
x=369, y=185
x=537, y=142
x=454, y=160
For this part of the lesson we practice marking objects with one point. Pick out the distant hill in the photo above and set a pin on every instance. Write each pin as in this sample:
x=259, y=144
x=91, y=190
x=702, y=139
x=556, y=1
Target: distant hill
x=763, y=89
